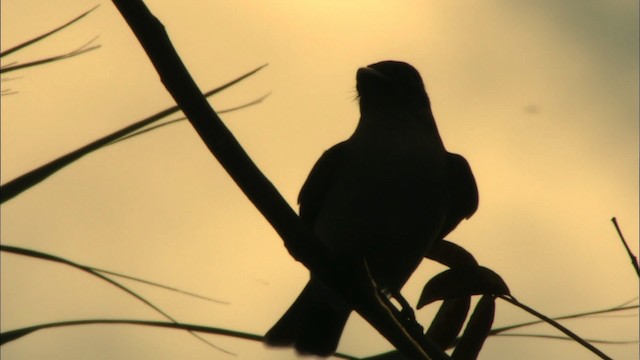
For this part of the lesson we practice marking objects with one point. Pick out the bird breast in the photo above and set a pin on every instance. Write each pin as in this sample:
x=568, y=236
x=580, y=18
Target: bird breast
x=386, y=202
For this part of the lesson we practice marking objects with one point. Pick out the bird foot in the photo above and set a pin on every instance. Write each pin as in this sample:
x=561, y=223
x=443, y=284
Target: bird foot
x=408, y=315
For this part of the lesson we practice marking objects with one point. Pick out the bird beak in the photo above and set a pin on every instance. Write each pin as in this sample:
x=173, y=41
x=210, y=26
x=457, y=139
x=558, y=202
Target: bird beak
x=369, y=80
x=369, y=72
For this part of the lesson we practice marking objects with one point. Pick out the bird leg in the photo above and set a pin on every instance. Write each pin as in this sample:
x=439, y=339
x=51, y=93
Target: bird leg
x=407, y=313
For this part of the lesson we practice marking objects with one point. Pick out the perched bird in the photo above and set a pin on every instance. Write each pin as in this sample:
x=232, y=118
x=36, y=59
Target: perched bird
x=386, y=194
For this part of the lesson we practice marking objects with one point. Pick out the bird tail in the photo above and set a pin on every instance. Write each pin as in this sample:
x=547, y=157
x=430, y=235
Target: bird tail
x=313, y=324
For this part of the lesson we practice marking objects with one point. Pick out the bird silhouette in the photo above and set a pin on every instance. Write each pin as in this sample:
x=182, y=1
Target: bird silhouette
x=386, y=194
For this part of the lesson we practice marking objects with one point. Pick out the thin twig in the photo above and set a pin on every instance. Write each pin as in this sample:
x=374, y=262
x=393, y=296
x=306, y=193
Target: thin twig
x=49, y=59
x=634, y=259
x=555, y=324
x=38, y=38
x=25, y=181
x=12, y=335
x=89, y=270
x=181, y=119
x=4, y=79
x=9, y=64
x=627, y=302
x=555, y=337
x=499, y=330
x=152, y=283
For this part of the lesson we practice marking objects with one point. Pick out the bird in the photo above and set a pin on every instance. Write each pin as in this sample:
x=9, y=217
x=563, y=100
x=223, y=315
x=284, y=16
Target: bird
x=386, y=194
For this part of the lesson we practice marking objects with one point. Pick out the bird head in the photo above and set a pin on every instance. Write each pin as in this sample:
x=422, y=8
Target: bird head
x=391, y=85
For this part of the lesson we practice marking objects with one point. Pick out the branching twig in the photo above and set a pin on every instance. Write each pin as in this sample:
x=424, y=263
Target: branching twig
x=11, y=335
x=89, y=270
x=555, y=337
x=497, y=331
x=48, y=257
x=6, y=92
x=634, y=259
x=181, y=119
x=70, y=54
x=38, y=38
x=555, y=324
x=162, y=286
x=26, y=181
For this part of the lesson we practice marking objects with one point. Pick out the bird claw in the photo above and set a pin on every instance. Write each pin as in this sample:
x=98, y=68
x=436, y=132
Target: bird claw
x=407, y=314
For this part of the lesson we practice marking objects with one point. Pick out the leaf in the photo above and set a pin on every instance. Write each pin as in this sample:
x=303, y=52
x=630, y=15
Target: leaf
x=451, y=255
x=464, y=281
x=477, y=330
x=448, y=322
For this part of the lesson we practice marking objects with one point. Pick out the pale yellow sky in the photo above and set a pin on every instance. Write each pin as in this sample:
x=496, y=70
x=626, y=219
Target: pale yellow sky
x=541, y=98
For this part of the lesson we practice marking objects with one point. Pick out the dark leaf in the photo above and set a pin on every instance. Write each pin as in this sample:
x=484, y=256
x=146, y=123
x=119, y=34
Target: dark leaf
x=477, y=330
x=451, y=255
x=448, y=322
x=463, y=281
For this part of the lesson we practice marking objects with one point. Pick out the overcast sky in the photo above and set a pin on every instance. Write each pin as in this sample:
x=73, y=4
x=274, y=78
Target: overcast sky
x=540, y=96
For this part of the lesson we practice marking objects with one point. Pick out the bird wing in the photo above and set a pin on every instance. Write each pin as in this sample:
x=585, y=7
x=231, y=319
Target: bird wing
x=463, y=190
x=314, y=189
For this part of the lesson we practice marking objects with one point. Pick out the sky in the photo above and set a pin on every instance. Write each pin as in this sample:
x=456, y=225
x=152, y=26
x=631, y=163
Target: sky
x=540, y=97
